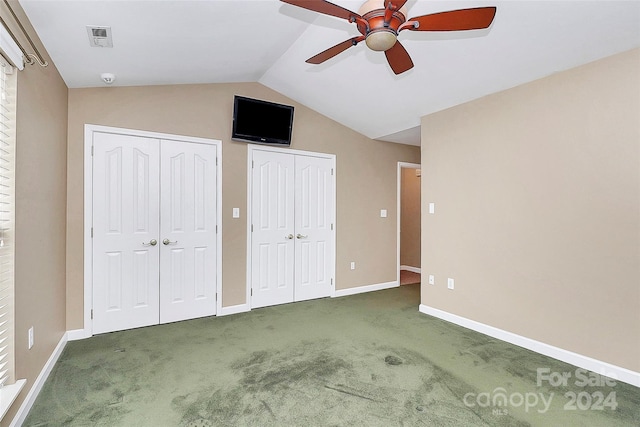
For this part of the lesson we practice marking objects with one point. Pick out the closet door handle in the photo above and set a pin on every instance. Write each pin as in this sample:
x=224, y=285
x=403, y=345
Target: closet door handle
x=289, y=236
x=152, y=242
x=168, y=242
x=301, y=236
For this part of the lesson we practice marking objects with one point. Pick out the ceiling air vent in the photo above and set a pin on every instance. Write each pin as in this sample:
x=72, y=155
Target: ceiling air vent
x=99, y=36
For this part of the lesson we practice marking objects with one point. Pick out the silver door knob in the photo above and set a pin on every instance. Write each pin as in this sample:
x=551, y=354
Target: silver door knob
x=301, y=236
x=152, y=242
x=289, y=236
x=169, y=242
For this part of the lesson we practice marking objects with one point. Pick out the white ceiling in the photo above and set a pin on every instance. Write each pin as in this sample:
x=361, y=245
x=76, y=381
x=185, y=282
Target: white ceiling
x=266, y=41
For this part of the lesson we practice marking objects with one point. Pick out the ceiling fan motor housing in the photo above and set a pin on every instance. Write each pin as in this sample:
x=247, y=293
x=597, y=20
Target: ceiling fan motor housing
x=380, y=37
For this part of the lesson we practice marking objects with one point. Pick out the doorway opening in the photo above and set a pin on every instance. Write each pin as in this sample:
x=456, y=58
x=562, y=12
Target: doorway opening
x=408, y=259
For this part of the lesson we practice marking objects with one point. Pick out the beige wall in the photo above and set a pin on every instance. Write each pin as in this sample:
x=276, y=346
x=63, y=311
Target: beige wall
x=537, y=210
x=410, y=218
x=41, y=176
x=366, y=176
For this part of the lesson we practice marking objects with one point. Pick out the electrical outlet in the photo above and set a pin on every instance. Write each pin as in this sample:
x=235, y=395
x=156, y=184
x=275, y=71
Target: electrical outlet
x=432, y=279
x=353, y=265
x=30, y=337
x=450, y=283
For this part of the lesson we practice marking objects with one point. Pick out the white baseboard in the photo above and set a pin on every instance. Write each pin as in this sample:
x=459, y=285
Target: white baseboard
x=22, y=413
x=362, y=289
x=78, y=334
x=411, y=269
x=603, y=368
x=234, y=309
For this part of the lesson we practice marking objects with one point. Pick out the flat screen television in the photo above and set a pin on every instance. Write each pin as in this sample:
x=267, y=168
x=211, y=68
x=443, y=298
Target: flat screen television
x=261, y=122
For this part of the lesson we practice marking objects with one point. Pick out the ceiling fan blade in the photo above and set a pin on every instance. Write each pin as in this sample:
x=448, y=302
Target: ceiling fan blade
x=322, y=6
x=398, y=58
x=333, y=51
x=397, y=4
x=390, y=7
x=454, y=20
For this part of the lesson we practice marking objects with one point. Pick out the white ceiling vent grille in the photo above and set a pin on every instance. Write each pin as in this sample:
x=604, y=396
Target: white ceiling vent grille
x=99, y=36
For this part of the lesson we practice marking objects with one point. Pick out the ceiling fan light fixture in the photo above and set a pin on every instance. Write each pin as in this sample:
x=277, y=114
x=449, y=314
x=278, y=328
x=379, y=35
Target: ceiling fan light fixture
x=381, y=40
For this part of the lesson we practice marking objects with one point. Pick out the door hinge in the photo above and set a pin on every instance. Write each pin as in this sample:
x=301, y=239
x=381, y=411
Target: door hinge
x=216, y=229
x=332, y=226
x=332, y=281
x=216, y=161
x=251, y=164
x=92, y=314
x=252, y=228
x=92, y=232
x=331, y=171
x=251, y=291
x=92, y=150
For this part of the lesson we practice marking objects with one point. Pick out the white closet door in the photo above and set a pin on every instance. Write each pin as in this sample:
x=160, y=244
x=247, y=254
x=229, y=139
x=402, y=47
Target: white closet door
x=187, y=231
x=314, y=246
x=272, y=247
x=125, y=228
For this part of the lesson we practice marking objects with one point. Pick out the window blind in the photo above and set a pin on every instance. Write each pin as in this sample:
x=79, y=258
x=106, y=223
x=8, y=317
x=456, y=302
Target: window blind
x=7, y=220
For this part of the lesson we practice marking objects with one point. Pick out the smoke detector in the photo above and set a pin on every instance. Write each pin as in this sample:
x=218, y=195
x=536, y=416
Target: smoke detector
x=108, y=78
x=99, y=36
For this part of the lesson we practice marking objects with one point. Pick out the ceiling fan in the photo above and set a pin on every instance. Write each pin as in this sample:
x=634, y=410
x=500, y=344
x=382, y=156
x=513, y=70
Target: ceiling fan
x=380, y=21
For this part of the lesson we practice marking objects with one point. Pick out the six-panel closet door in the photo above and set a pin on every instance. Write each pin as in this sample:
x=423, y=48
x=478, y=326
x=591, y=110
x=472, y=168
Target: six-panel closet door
x=154, y=231
x=292, y=239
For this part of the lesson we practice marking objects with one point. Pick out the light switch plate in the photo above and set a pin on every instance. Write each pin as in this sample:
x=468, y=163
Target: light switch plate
x=432, y=279
x=236, y=212
x=432, y=208
x=450, y=283
x=383, y=213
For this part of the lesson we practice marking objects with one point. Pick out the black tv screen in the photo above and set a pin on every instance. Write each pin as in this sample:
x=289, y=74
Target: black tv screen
x=261, y=122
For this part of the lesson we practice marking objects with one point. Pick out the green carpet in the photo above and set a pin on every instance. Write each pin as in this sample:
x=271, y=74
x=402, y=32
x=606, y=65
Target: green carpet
x=363, y=360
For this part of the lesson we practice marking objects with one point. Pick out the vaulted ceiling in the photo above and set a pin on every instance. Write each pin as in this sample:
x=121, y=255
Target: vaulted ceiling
x=267, y=41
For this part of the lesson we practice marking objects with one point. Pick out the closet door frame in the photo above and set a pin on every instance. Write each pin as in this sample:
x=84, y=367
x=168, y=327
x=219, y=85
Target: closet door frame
x=332, y=157
x=89, y=130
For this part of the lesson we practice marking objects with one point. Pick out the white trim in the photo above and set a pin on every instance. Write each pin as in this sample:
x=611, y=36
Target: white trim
x=250, y=149
x=77, y=334
x=89, y=130
x=364, y=289
x=411, y=269
x=234, y=309
x=218, y=226
x=88, y=224
x=22, y=413
x=247, y=299
x=603, y=368
x=8, y=395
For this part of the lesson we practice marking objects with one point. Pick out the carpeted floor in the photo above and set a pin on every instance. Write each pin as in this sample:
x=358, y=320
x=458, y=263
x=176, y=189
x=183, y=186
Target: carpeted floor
x=363, y=360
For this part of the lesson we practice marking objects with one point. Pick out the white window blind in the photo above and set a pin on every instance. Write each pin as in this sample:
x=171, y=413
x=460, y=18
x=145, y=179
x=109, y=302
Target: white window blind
x=9, y=387
x=7, y=219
